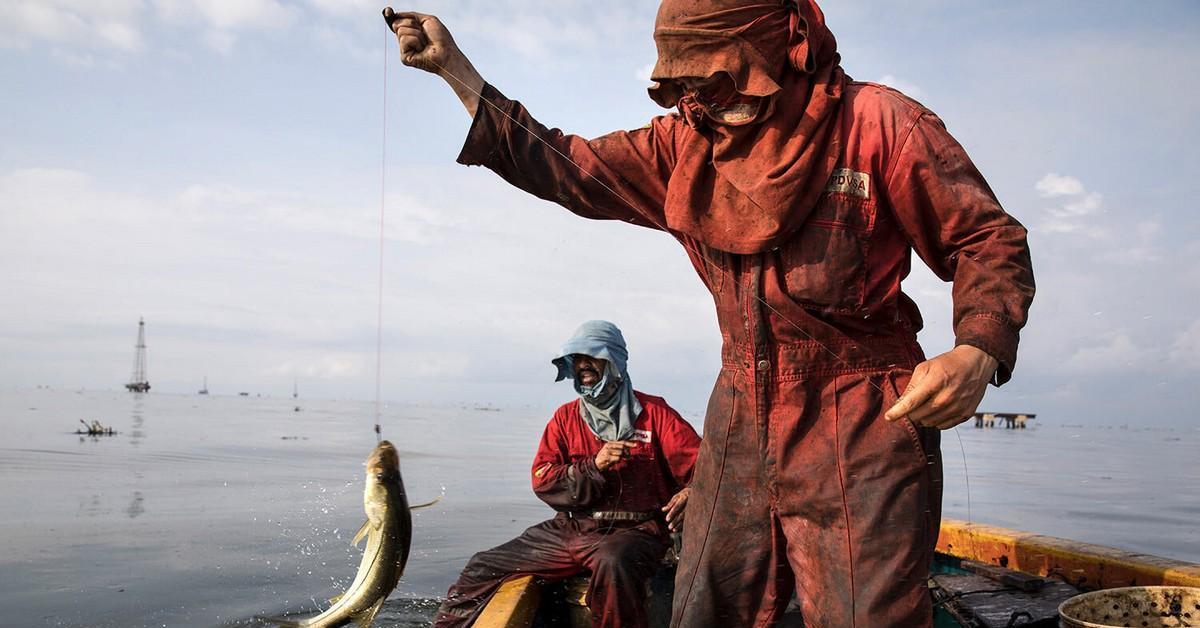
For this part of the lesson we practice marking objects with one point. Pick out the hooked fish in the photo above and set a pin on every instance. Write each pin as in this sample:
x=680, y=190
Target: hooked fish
x=388, y=531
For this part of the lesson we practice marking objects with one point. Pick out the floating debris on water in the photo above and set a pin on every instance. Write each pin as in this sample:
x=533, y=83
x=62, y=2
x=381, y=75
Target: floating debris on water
x=95, y=429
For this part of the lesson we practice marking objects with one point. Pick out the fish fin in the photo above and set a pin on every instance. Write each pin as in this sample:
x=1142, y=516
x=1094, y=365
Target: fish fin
x=364, y=619
x=362, y=533
x=427, y=504
x=279, y=621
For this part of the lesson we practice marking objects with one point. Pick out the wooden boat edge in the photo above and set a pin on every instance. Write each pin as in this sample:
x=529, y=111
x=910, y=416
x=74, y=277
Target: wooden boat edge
x=1084, y=565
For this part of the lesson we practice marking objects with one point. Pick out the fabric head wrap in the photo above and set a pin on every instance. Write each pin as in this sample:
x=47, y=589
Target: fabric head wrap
x=609, y=407
x=747, y=188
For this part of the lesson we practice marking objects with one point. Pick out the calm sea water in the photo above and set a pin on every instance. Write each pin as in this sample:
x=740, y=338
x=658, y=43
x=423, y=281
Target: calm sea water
x=206, y=511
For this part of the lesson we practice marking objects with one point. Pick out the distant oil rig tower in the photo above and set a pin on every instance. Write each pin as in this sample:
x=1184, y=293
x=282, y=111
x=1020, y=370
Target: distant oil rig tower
x=138, y=383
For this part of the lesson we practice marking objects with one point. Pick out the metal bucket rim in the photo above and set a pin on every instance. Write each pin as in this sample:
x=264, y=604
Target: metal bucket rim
x=1117, y=590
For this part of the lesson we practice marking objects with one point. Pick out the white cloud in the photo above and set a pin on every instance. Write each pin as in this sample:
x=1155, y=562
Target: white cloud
x=1053, y=185
x=405, y=219
x=909, y=89
x=228, y=14
x=220, y=41
x=1185, y=350
x=347, y=7
x=322, y=366
x=1116, y=353
x=113, y=25
x=271, y=285
x=1078, y=206
x=220, y=21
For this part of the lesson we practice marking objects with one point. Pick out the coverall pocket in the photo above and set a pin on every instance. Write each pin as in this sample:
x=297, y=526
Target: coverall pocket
x=891, y=393
x=824, y=266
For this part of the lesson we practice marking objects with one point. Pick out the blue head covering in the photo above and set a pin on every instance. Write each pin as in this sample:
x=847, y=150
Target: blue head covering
x=609, y=407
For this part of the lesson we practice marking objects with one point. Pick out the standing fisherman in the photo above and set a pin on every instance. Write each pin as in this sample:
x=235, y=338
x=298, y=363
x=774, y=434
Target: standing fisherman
x=798, y=195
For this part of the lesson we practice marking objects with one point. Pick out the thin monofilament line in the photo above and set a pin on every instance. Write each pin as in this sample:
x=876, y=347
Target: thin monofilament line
x=656, y=223
x=967, y=478
x=382, y=207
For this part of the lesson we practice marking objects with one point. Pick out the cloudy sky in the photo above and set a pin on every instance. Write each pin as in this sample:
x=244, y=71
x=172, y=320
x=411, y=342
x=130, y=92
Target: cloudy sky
x=213, y=166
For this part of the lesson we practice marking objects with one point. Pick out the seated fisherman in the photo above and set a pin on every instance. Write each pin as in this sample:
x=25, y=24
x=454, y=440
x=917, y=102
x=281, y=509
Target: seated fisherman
x=615, y=463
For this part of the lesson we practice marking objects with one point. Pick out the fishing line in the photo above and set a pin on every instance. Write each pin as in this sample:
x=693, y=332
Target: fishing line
x=691, y=248
x=382, y=207
x=661, y=226
x=967, y=478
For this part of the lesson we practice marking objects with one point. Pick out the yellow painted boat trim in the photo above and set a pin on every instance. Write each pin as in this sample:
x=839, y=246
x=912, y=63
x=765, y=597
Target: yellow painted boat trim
x=513, y=606
x=1082, y=564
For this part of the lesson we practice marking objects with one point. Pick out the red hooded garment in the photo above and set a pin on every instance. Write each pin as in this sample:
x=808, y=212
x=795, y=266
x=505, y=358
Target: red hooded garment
x=801, y=224
x=747, y=189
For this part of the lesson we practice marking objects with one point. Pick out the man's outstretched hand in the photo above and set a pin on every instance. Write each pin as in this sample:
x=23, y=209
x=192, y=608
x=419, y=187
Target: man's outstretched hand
x=946, y=390
x=426, y=43
x=675, y=508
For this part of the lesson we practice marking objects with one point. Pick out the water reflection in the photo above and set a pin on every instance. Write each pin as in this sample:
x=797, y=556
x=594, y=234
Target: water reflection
x=136, y=434
x=90, y=506
x=136, y=507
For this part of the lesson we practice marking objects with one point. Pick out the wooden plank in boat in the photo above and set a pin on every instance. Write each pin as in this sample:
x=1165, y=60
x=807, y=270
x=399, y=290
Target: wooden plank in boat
x=976, y=600
x=514, y=605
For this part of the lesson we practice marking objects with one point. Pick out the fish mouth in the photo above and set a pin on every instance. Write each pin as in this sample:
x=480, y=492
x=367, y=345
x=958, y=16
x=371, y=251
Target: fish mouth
x=383, y=460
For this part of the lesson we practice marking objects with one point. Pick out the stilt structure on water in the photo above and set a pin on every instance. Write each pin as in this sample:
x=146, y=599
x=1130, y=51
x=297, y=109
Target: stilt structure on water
x=1012, y=420
x=138, y=383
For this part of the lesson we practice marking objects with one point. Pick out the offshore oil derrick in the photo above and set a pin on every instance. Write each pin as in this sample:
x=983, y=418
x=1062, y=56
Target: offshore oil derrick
x=138, y=383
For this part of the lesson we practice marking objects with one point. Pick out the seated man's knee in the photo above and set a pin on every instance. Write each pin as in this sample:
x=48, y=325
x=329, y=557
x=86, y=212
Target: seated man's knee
x=480, y=567
x=623, y=558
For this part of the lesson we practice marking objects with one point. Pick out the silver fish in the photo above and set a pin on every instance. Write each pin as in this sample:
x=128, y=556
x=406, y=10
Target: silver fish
x=388, y=531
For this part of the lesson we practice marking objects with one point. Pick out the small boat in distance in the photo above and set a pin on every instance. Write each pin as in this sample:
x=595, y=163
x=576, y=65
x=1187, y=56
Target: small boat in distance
x=139, y=383
x=204, y=389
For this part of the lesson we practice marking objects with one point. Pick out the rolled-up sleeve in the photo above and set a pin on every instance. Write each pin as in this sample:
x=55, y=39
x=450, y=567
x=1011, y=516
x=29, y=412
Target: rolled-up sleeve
x=619, y=176
x=955, y=223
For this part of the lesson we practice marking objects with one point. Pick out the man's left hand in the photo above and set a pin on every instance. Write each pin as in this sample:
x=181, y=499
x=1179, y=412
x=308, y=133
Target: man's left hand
x=946, y=390
x=674, y=509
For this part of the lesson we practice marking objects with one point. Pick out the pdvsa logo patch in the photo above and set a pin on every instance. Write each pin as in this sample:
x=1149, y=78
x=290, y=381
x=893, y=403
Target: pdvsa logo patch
x=847, y=181
x=642, y=436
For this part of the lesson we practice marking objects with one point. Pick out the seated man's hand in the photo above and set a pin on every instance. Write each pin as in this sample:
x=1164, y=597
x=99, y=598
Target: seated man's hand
x=612, y=452
x=675, y=508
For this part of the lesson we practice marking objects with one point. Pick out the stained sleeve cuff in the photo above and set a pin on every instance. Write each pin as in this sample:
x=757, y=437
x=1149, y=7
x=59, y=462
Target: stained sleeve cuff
x=993, y=336
x=487, y=128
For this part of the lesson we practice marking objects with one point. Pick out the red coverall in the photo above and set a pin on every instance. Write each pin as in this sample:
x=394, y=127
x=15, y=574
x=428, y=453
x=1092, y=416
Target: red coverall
x=801, y=485
x=621, y=555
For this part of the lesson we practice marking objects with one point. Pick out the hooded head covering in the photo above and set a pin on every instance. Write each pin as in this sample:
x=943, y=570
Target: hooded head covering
x=609, y=407
x=747, y=187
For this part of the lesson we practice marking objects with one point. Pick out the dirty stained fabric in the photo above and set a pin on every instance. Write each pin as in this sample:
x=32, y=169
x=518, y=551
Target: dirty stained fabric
x=801, y=485
x=747, y=189
x=621, y=556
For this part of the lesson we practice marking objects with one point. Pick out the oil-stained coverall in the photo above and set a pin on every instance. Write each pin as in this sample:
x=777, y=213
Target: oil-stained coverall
x=801, y=223
x=621, y=555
